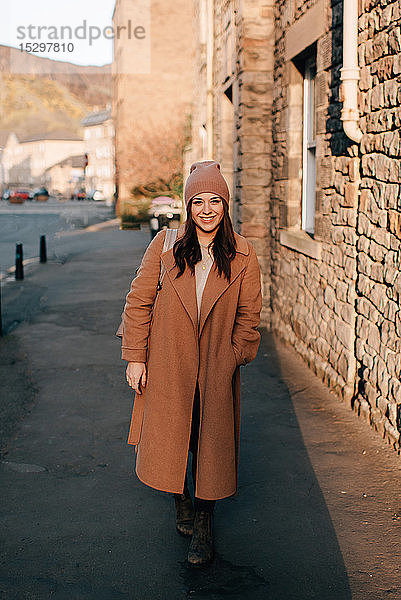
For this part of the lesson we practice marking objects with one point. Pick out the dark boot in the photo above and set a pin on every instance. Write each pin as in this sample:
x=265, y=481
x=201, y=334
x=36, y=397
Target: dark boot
x=184, y=514
x=201, y=547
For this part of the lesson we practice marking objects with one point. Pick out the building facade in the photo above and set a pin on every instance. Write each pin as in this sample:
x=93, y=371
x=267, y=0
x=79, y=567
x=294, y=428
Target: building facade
x=151, y=101
x=98, y=134
x=231, y=113
x=321, y=206
x=67, y=177
x=25, y=162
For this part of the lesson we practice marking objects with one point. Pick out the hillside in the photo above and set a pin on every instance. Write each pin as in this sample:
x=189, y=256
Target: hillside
x=33, y=103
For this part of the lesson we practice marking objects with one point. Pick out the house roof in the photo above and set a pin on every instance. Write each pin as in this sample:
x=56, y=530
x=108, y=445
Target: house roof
x=77, y=161
x=95, y=118
x=62, y=135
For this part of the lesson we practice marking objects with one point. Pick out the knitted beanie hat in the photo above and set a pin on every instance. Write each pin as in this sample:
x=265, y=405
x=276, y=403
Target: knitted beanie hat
x=205, y=176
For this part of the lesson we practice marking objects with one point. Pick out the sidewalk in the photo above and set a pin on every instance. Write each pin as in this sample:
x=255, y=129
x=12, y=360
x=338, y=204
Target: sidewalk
x=318, y=511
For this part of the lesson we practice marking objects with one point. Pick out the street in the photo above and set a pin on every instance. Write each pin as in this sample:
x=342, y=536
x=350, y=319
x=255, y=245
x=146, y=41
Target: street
x=317, y=513
x=27, y=222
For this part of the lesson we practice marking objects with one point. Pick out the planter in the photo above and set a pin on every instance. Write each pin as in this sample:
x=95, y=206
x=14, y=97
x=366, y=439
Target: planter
x=130, y=225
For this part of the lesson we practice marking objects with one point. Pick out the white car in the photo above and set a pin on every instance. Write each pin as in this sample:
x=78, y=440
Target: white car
x=96, y=195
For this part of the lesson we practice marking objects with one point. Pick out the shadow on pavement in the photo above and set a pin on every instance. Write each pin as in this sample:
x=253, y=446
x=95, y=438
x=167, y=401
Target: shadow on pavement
x=276, y=535
x=76, y=521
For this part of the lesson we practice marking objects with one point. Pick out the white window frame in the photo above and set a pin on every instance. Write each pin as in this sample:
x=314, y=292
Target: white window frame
x=309, y=148
x=203, y=21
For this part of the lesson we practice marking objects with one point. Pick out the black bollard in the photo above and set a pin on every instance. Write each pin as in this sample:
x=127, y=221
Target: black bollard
x=43, y=253
x=19, y=266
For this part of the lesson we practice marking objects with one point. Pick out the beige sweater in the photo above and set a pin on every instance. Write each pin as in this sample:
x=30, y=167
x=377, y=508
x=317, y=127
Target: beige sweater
x=201, y=274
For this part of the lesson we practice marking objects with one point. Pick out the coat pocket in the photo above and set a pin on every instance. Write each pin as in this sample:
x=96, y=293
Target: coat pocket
x=234, y=356
x=239, y=361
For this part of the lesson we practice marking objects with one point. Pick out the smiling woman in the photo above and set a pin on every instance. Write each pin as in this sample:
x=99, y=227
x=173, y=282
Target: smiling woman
x=184, y=345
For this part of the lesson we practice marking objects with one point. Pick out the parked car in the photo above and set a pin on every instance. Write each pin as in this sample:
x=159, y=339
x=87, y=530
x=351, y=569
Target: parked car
x=164, y=210
x=95, y=195
x=78, y=194
x=41, y=194
x=19, y=196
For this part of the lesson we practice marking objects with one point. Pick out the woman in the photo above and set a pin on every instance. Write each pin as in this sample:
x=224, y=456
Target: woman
x=184, y=345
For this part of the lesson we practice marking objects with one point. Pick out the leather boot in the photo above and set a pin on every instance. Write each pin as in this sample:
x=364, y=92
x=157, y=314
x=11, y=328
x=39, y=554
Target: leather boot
x=201, y=547
x=184, y=514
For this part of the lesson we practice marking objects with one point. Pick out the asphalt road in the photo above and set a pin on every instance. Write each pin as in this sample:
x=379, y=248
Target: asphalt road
x=27, y=222
x=318, y=511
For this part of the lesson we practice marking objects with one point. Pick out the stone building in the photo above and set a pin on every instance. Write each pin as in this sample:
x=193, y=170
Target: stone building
x=231, y=112
x=98, y=134
x=313, y=146
x=152, y=82
x=66, y=177
x=24, y=161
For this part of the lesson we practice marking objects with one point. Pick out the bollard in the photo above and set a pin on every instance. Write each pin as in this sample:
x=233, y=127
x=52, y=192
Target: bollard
x=19, y=266
x=42, y=252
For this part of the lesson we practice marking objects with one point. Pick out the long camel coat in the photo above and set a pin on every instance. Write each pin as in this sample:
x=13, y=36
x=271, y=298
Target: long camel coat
x=178, y=351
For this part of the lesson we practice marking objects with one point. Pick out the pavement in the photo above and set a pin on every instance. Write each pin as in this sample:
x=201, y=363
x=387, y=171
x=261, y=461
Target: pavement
x=318, y=510
x=26, y=223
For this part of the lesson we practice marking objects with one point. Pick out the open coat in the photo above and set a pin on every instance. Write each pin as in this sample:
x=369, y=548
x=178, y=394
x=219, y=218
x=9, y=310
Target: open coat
x=179, y=351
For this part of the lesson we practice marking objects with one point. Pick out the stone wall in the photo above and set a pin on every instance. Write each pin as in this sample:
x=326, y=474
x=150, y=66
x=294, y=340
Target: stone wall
x=333, y=294
x=378, y=286
x=243, y=64
x=313, y=279
x=341, y=311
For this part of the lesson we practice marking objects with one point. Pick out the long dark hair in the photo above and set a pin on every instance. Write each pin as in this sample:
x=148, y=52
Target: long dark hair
x=187, y=250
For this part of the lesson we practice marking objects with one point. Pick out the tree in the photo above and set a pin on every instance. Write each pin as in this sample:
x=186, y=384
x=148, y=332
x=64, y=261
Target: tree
x=154, y=160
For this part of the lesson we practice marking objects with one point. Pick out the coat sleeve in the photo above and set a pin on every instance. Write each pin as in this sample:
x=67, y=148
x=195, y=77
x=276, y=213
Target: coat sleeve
x=139, y=303
x=245, y=336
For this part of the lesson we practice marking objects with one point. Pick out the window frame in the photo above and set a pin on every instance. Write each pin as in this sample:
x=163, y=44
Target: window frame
x=309, y=147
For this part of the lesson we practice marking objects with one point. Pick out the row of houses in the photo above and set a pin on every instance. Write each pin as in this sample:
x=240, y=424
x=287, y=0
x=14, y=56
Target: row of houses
x=62, y=161
x=300, y=102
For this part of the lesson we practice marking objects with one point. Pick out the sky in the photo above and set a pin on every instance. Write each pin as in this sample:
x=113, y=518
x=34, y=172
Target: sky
x=18, y=15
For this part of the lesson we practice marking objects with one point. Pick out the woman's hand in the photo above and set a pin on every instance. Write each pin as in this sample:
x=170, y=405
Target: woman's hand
x=136, y=375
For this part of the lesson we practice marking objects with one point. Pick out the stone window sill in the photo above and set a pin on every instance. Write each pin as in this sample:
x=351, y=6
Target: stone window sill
x=301, y=242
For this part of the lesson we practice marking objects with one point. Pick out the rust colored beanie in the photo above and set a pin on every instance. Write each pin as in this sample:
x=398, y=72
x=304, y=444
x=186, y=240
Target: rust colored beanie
x=205, y=176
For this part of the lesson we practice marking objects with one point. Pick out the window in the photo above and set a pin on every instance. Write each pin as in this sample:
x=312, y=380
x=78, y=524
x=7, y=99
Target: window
x=203, y=22
x=309, y=148
x=228, y=59
x=297, y=208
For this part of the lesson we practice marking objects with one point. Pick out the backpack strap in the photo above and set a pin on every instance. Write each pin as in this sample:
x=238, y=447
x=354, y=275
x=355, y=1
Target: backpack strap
x=170, y=237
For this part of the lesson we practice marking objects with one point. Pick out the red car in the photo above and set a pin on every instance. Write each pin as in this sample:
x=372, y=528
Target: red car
x=78, y=195
x=19, y=196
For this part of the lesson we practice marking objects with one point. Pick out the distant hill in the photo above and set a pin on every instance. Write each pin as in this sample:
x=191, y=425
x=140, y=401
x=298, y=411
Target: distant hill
x=33, y=103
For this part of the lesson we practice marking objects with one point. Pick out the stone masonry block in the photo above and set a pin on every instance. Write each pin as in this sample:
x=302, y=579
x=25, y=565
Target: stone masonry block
x=351, y=194
x=254, y=230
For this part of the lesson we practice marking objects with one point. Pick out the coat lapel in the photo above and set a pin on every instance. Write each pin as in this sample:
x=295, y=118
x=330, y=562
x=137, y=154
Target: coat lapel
x=215, y=286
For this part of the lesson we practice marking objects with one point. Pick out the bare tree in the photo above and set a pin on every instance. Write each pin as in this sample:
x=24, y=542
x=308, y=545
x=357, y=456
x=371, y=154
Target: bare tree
x=153, y=161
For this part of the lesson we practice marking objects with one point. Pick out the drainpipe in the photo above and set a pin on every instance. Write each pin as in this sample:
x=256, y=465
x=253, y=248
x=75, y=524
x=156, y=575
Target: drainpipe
x=350, y=71
x=209, y=77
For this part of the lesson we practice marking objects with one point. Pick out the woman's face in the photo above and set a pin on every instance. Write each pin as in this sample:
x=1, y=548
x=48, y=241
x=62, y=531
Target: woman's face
x=207, y=211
